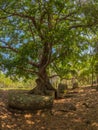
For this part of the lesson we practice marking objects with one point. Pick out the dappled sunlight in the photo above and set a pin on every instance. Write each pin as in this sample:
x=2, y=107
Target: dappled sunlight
x=38, y=121
x=95, y=124
x=38, y=113
x=28, y=116
x=49, y=65
x=30, y=122
x=28, y=119
x=85, y=115
x=42, y=128
x=78, y=120
x=59, y=101
x=2, y=104
x=8, y=126
x=3, y=116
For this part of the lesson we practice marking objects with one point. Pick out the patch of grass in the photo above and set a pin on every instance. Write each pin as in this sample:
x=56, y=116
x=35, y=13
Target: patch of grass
x=15, y=88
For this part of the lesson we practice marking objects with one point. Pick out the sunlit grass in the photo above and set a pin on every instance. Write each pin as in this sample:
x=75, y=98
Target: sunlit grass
x=15, y=88
x=7, y=84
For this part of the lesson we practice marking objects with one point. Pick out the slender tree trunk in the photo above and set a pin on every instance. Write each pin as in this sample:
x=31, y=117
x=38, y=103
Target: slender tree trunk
x=92, y=80
x=97, y=80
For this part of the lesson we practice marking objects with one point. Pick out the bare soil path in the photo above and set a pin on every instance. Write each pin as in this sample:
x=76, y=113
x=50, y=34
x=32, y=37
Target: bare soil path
x=84, y=117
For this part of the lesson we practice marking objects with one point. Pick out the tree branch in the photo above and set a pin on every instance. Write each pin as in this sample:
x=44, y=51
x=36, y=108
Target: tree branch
x=5, y=17
x=27, y=70
x=83, y=25
x=66, y=16
x=33, y=64
x=7, y=46
x=32, y=18
x=16, y=51
x=10, y=48
x=17, y=14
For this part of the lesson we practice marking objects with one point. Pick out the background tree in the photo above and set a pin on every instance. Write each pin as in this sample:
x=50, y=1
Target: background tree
x=39, y=34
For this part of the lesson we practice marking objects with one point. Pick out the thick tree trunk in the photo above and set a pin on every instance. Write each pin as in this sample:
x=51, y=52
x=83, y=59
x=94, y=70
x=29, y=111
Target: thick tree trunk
x=43, y=85
x=97, y=81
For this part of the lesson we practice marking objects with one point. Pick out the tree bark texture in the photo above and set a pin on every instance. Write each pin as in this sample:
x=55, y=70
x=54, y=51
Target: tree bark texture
x=43, y=85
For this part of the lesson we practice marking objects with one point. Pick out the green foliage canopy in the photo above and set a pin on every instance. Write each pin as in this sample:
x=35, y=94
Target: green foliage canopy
x=38, y=34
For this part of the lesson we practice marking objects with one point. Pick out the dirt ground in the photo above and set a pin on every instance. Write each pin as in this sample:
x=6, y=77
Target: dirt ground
x=83, y=117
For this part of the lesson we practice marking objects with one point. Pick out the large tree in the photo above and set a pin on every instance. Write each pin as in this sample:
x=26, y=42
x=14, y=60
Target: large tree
x=38, y=34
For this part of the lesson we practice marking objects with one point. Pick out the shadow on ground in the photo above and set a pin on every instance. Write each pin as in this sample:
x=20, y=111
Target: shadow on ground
x=84, y=117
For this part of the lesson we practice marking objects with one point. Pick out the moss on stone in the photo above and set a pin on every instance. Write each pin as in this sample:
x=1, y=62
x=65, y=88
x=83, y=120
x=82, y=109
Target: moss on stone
x=29, y=102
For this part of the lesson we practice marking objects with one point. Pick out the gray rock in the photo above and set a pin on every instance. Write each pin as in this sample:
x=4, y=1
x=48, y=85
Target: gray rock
x=70, y=106
x=29, y=101
x=61, y=90
x=62, y=87
x=75, y=85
